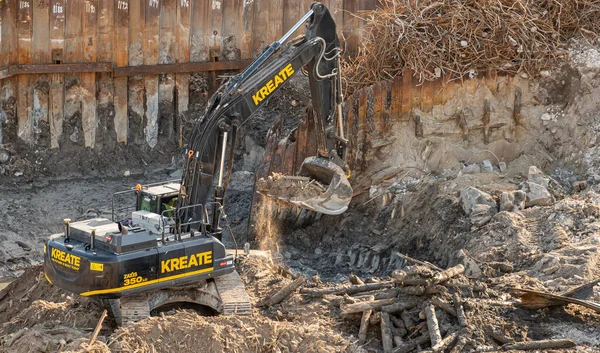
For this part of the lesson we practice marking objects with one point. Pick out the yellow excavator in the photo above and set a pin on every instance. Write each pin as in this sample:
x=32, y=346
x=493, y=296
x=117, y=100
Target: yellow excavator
x=168, y=250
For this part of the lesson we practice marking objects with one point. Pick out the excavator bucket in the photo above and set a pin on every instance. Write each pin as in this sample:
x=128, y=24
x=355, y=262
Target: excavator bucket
x=321, y=186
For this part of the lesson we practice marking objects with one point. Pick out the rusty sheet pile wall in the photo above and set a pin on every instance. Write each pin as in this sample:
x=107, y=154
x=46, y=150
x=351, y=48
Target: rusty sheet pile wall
x=97, y=72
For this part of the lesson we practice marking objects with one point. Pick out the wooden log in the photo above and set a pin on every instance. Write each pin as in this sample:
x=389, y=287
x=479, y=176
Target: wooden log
x=98, y=327
x=375, y=318
x=418, y=262
x=460, y=311
x=411, y=345
x=449, y=273
x=362, y=306
x=413, y=290
x=543, y=344
x=386, y=333
x=364, y=325
x=422, y=271
x=407, y=318
x=447, y=307
x=399, y=306
x=311, y=292
x=499, y=336
x=445, y=343
x=460, y=344
x=354, y=279
x=382, y=294
x=434, y=289
x=480, y=287
x=433, y=326
x=284, y=292
x=398, y=341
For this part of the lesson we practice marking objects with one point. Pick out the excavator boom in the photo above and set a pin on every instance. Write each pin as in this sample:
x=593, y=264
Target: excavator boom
x=237, y=100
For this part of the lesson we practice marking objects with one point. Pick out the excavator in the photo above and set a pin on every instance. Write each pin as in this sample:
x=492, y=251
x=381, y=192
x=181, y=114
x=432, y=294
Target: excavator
x=166, y=248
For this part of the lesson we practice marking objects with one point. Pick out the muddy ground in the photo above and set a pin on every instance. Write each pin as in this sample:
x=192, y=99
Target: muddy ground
x=548, y=241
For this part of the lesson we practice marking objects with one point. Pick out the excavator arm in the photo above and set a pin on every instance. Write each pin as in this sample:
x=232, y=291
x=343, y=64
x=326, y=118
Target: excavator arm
x=317, y=54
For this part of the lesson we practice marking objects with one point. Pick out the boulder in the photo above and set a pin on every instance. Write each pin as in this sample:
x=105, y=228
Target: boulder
x=537, y=195
x=472, y=169
x=513, y=201
x=472, y=196
x=472, y=269
x=502, y=166
x=481, y=214
x=535, y=175
x=487, y=166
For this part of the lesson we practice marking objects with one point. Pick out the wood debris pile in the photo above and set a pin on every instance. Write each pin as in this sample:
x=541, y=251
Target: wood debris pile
x=424, y=306
x=458, y=39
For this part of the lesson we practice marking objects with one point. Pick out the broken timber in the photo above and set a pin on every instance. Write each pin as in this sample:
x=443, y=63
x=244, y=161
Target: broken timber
x=124, y=71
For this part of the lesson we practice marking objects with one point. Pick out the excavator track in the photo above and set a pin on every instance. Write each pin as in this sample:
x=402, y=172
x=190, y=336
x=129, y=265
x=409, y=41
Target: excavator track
x=225, y=295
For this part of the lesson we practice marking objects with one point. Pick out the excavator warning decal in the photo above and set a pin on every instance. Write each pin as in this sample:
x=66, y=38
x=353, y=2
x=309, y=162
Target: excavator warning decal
x=65, y=259
x=185, y=262
x=272, y=85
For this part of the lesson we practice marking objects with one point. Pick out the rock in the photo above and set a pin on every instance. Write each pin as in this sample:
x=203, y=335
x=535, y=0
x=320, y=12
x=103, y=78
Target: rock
x=512, y=201
x=176, y=174
x=487, y=166
x=74, y=137
x=535, y=175
x=546, y=117
x=579, y=185
x=472, y=196
x=127, y=173
x=537, y=195
x=472, y=270
x=481, y=214
x=471, y=169
x=502, y=166
x=18, y=174
x=318, y=251
x=4, y=156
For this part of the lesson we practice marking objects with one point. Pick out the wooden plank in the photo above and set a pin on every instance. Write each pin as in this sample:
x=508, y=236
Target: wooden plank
x=121, y=58
x=199, y=49
x=438, y=97
x=215, y=42
x=427, y=96
x=233, y=29
x=248, y=23
x=41, y=83
x=261, y=27
x=73, y=54
x=396, y=99
x=89, y=118
x=57, y=98
x=8, y=55
x=167, y=54
x=31, y=69
x=150, y=46
x=136, y=84
x=407, y=91
x=106, y=46
x=350, y=26
x=182, y=81
x=24, y=97
x=379, y=95
x=199, y=31
x=292, y=13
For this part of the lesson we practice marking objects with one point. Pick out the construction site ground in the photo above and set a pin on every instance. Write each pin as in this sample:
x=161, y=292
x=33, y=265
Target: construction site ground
x=446, y=214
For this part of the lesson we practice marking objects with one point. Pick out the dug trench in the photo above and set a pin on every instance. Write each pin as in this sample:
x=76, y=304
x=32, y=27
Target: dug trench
x=518, y=210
